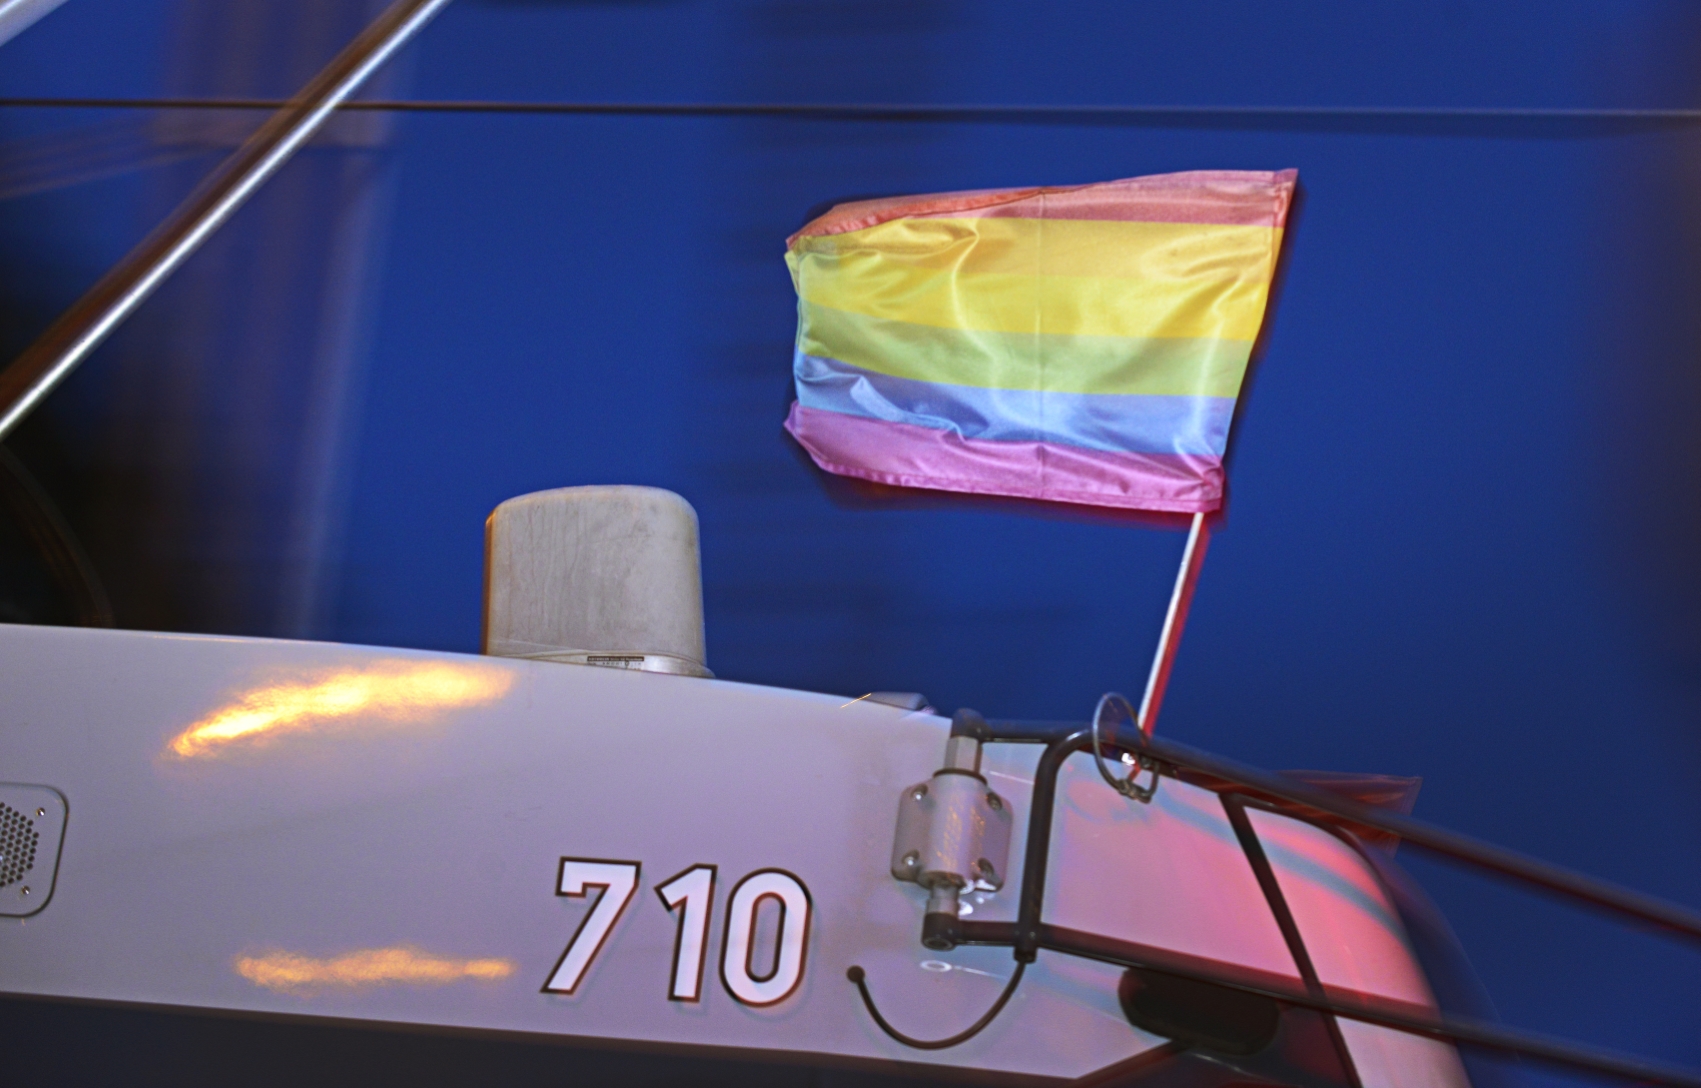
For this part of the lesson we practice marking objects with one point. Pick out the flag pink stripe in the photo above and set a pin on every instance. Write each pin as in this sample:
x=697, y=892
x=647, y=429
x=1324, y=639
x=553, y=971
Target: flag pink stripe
x=907, y=455
x=1244, y=198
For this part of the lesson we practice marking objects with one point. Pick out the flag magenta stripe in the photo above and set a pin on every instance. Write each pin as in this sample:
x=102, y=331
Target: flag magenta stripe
x=910, y=456
x=1227, y=197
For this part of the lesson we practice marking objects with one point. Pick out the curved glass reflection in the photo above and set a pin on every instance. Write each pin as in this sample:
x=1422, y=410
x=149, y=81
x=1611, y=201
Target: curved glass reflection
x=394, y=691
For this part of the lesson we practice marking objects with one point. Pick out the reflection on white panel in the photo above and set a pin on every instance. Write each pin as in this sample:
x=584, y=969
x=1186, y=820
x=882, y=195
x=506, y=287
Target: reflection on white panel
x=1386, y=1058
x=381, y=692
x=292, y=972
x=1358, y=944
x=1170, y=873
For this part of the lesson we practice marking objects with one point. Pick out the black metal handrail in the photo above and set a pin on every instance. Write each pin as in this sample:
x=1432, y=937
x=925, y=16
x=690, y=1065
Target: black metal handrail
x=1239, y=785
x=1215, y=773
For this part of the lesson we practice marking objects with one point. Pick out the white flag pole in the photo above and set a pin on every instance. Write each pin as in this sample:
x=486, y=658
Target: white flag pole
x=1174, y=620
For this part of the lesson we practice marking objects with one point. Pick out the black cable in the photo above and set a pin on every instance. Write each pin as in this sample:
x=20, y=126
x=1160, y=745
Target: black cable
x=859, y=977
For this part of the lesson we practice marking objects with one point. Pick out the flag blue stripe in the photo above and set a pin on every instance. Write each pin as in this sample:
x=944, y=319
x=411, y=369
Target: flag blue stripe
x=1114, y=422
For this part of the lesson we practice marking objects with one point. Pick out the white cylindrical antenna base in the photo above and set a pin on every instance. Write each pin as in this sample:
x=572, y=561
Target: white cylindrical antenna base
x=596, y=576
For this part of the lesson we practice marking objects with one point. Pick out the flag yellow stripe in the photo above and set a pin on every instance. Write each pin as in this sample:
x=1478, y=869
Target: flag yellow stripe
x=1055, y=305
x=1060, y=247
x=1062, y=277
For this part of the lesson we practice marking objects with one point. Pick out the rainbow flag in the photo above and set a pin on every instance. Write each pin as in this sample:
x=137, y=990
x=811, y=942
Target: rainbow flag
x=1080, y=344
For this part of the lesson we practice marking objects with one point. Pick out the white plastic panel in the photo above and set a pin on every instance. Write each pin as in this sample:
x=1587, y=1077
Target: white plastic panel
x=297, y=828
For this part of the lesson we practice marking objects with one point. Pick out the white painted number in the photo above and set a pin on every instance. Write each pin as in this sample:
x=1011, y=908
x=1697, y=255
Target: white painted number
x=762, y=955
x=694, y=891
x=740, y=957
x=618, y=880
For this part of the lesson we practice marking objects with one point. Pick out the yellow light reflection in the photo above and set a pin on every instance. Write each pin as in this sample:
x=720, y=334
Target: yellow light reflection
x=387, y=690
x=288, y=972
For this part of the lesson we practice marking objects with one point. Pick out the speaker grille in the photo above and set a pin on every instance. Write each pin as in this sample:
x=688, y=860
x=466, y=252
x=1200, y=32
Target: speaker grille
x=18, y=842
x=32, y=827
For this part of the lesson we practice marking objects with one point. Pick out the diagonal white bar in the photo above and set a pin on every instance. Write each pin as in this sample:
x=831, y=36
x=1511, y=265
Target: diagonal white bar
x=17, y=16
x=79, y=330
x=1198, y=536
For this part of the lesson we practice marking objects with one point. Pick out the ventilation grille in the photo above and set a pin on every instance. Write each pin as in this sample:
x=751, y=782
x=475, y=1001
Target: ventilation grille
x=32, y=827
x=18, y=842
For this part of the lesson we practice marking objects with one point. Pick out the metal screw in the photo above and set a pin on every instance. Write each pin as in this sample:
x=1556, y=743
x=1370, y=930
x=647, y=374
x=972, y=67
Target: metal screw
x=994, y=802
x=25, y=890
x=920, y=792
x=41, y=812
x=911, y=860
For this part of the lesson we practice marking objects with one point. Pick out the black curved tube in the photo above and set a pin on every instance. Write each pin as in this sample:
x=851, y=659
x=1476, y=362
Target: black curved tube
x=859, y=978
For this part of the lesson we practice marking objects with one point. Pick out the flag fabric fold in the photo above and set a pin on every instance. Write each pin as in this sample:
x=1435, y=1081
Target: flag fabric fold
x=1081, y=344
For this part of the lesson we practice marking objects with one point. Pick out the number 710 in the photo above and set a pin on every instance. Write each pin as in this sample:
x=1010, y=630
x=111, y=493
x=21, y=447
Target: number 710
x=691, y=894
